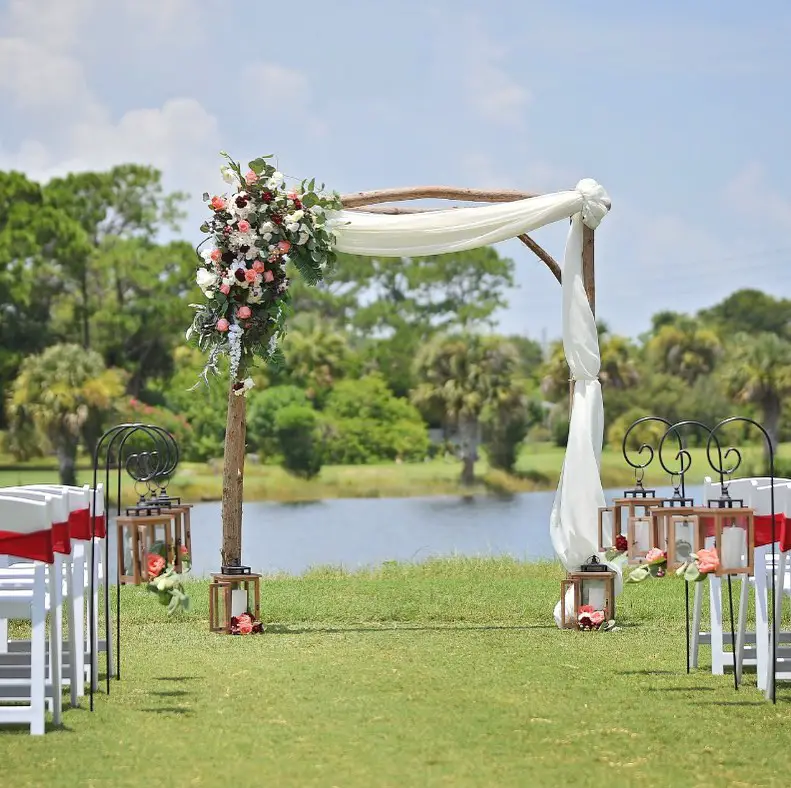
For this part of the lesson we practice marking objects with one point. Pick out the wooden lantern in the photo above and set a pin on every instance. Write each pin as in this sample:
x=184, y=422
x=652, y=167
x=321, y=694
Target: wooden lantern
x=640, y=532
x=230, y=596
x=677, y=530
x=593, y=584
x=733, y=527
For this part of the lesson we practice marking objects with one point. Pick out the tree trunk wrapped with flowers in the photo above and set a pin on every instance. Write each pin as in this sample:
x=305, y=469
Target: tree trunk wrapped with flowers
x=255, y=230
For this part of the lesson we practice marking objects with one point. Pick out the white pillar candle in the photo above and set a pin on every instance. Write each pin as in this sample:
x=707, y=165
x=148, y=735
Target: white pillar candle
x=238, y=602
x=596, y=596
x=734, y=547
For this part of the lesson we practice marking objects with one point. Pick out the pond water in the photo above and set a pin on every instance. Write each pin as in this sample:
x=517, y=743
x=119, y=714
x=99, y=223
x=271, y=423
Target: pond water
x=353, y=533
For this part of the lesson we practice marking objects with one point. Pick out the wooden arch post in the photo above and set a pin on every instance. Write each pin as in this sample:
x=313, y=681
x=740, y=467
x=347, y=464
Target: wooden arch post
x=371, y=202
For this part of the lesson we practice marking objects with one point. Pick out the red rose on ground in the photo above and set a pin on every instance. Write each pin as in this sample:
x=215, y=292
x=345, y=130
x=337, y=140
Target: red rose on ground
x=156, y=565
x=621, y=544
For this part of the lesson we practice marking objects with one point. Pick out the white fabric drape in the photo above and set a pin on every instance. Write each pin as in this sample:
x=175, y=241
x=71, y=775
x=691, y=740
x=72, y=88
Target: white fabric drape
x=574, y=518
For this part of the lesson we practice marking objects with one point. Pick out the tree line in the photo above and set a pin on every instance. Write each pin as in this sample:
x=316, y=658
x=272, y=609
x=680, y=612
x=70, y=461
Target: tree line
x=93, y=308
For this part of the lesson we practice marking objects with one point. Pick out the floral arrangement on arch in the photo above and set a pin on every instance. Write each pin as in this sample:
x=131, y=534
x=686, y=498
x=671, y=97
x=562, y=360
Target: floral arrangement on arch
x=255, y=230
x=165, y=581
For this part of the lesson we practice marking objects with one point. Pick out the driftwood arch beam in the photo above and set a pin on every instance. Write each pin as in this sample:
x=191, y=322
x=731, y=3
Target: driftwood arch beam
x=376, y=202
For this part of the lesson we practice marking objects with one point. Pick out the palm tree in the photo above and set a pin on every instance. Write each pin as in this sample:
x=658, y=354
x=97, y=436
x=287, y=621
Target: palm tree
x=57, y=395
x=315, y=355
x=463, y=375
x=684, y=348
x=758, y=371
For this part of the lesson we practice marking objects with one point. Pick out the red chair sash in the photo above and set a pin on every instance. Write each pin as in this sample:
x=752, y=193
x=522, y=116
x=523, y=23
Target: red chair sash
x=36, y=546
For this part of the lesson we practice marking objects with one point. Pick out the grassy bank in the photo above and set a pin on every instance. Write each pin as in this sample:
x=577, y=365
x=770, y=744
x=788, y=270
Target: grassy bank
x=447, y=673
x=538, y=468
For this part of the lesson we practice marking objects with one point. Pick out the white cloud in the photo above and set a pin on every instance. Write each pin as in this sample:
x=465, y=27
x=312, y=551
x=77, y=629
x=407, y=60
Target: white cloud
x=749, y=194
x=50, y=24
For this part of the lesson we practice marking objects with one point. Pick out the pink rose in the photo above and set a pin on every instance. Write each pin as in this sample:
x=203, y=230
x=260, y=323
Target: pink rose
x=597, y=618
x=250, y=275
x=655, y=555
x=244, y=312
x=250, y=177
x=292, y=195
x=244, y=226
x=216, y=255
x=225, y=289
x=245, y=624
x=708, y=561
x=217, y=203
x=222, y=325
x=585, y=609
x=284, y=246
x=259, y=267
x=268, y=276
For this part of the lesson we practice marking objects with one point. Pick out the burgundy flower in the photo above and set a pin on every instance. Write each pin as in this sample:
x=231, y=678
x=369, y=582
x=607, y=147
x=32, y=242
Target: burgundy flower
x=241, y=202
x=239, y=274
x=266, y=196
x=297, y=203
x=621, y=544
x=228, y=257
x=244, y=248
x=277, y=219
x=238, y=385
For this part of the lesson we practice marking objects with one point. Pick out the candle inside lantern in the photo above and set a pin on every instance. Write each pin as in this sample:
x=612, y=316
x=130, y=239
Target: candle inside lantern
x=595, y=595
x=642, y=535
x=238, y=602
x=734, y=547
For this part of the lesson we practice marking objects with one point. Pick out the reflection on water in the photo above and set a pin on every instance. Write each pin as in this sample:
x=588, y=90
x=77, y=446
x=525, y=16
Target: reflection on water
x=363, y=532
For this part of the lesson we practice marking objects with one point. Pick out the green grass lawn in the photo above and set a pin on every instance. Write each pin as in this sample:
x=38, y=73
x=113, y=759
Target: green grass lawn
x=447, y=673
x=538, y=468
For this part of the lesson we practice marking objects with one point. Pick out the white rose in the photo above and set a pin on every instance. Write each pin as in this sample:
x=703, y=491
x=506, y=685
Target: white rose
x=296, y=216
x=303, y=238
x=228, y=175
x=207, y=281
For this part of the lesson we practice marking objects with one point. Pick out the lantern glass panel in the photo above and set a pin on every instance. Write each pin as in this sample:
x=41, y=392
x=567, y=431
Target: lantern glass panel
x=594, y=593
x=641, y=534
x=734, y=540
x=606, y=527
x=684, y=537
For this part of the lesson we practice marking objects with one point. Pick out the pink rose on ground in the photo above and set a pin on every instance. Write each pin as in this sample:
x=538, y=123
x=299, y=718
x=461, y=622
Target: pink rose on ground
x=217, y=203
x=259, y=267
x=222, y=325
x=597, y=618
x=225, y=289
x=244, y=226
x=250, y=177
x=708, y=561
x=244, y=312
x=283, y=246
x=268, y=276
x=155, y=565
x=244, y=624
x=585, y=609
x=655, y=555
x=250, y=275
x=216, y=255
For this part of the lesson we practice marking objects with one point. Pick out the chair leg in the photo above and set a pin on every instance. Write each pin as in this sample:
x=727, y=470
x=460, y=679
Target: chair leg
x=697, y=610
x=74, y=643
x=78, y=616
x=715, y=601
x=38, y=677
x=741, y=627
x=56, y=638
x=761, y=622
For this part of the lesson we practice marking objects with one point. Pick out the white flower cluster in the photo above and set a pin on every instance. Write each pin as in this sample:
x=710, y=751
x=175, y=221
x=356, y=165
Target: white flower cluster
x=235, y=333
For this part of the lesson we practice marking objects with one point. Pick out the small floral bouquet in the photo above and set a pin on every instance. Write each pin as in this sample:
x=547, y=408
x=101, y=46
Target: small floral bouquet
x=655, y=566
x=245, y=624
x=617, y=550
x=590, y=619
x=165, y=581
x=703, y=563
x=255, y=230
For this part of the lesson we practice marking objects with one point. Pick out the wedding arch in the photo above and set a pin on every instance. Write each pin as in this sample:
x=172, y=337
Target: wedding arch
x=310, y=227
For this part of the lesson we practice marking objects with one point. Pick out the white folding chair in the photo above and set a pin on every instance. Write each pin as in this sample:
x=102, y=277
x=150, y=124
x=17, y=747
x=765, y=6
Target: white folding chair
x=26, y=533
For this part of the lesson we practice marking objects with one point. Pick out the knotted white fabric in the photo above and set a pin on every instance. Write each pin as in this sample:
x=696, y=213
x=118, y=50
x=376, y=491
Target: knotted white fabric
x=574, y=518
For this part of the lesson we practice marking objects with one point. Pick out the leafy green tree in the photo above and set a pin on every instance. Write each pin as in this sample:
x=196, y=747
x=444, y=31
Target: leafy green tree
x=127, y=201
x=57, y=393
x=297, y=428
x=464, y=374
x=262, y=409
x=757, y=371
x=367, y=423
x=751, y=312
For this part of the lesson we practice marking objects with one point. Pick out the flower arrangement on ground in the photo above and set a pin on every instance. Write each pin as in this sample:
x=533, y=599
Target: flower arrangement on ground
x=245, y=624
x=655, y=566
x=165, y=581
x=701, y=565
x=255, y=230
x=589, y=619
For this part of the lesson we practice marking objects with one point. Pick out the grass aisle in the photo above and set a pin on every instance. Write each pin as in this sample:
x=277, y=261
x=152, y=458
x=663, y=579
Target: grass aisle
x=448, y=673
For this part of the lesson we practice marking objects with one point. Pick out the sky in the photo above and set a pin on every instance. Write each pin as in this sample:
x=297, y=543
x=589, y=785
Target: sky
x=679, y=109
